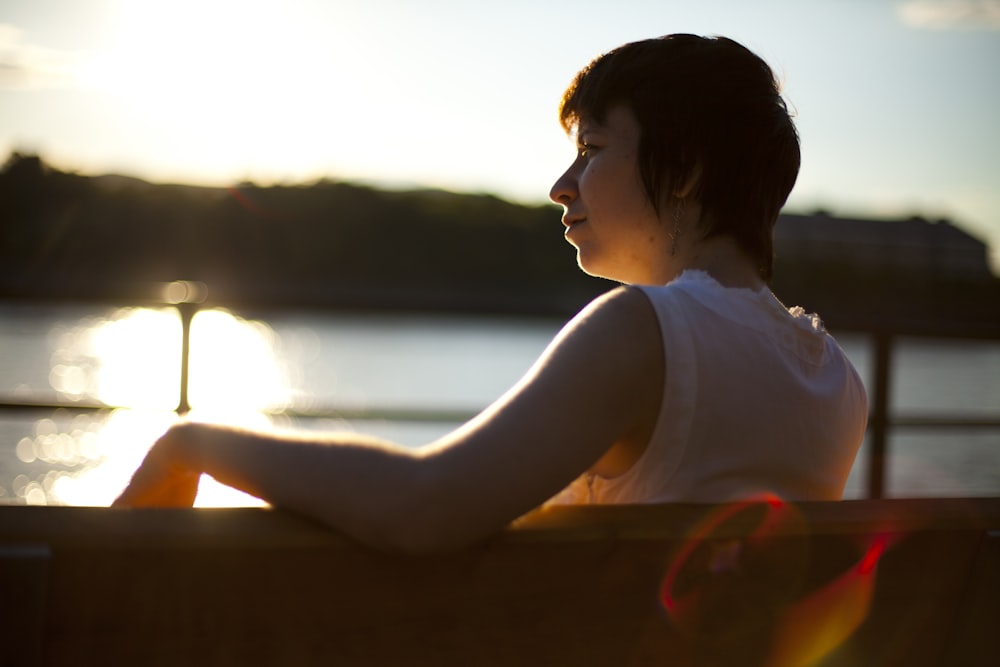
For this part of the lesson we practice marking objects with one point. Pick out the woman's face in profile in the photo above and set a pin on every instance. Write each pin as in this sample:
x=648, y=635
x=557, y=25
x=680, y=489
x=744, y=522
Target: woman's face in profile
x=607, y=213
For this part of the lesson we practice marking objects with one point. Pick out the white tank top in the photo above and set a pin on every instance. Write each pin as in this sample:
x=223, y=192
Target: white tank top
x=757, y=399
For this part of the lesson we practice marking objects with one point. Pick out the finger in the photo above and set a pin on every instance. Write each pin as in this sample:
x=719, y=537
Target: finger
x=151, y=486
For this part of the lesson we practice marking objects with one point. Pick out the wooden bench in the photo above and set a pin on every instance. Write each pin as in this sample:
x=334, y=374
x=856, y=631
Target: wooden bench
x=871, y=582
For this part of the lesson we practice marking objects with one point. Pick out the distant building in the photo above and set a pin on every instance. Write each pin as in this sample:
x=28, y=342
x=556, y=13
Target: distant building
x=914, y=246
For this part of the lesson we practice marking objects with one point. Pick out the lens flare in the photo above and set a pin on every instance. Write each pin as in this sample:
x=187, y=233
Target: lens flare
x=713, y=568
x=738, y=587
x=821, y=621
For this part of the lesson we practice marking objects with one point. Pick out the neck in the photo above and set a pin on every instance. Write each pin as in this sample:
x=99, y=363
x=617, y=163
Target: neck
x=721, y=258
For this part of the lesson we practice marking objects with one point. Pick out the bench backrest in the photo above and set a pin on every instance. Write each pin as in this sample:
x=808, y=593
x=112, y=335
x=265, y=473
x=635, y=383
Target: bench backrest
x=882, y=582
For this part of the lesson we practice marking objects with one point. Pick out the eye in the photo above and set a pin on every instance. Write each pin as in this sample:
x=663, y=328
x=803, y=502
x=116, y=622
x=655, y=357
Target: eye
x=584, y=148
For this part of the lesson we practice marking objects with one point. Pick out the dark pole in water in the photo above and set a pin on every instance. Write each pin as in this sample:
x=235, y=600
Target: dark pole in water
x=187, y=311
x=186, y=295
x=879, y=423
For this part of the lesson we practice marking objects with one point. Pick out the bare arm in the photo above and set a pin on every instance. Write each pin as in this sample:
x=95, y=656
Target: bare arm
x=597, y=386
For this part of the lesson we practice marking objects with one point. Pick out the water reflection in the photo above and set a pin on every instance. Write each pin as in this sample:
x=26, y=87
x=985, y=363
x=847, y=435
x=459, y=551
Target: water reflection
x=87, y=458
x=130, y=361
x=234, y=365
x=243, y=373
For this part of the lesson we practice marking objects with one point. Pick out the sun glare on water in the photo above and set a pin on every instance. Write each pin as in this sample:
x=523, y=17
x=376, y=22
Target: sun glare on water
x=233, y=365
x=131, y=361
x=137, y=354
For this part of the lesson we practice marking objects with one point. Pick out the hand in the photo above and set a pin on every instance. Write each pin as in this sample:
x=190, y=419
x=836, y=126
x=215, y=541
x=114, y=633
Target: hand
x=165, y=478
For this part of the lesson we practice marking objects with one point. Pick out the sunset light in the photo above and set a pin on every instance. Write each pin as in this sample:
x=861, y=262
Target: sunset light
x=218, y=74
x=130, y=360
x=138, y=354
x=527, y=332
x=463, y=96
x=234, y=366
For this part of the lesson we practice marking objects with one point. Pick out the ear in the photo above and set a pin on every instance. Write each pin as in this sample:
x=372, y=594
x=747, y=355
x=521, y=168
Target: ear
x=691, y=184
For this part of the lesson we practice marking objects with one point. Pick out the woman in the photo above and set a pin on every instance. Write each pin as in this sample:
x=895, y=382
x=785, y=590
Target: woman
x=689, y=383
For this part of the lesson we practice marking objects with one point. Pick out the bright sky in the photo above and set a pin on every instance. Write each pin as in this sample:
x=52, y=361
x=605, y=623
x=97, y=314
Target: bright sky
x=897, y=102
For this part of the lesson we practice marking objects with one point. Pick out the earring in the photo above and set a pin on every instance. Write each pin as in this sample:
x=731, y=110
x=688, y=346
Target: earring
x=678, y=212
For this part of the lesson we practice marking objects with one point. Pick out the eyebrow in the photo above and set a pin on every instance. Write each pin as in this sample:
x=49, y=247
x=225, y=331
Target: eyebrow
x=588, y=126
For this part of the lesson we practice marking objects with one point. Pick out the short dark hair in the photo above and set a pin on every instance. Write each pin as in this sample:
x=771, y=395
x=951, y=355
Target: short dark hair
x=707, y=106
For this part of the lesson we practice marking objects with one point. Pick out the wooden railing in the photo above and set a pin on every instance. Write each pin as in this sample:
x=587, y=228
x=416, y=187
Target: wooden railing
x=833, y=584
x=882, y=421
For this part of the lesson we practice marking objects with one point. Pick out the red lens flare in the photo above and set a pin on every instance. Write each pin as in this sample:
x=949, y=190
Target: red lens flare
x=738, y=586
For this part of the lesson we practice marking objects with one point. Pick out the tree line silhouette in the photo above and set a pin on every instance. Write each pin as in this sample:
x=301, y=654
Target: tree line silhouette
x=336, y=244
x=68, y=234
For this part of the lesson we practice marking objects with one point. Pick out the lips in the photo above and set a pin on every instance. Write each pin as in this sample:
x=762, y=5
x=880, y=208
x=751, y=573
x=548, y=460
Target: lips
x=572, y=233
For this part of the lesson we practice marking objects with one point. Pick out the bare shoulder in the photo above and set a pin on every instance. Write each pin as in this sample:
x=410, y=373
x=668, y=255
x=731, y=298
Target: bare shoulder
x=608, y=356
x=597, y=385
x=622, y=317
x=626, y=302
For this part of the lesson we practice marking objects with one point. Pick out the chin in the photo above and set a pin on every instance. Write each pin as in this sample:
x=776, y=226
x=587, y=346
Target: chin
x=587, y=266
x=597, y=272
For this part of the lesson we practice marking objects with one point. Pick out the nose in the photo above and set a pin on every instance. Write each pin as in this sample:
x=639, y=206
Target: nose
x=564, y=190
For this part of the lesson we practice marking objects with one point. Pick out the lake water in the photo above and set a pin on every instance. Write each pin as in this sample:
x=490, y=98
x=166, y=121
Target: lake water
x=406, y=378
